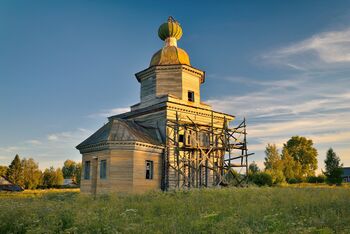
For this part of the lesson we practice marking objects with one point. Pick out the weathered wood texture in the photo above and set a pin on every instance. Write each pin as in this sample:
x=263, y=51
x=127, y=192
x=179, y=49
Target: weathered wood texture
x=140, y=183
x=126, y=171
x=148, y=88
x=170, y=80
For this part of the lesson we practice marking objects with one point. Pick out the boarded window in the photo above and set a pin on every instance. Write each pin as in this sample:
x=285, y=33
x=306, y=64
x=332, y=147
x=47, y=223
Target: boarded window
x=87, y=170
x=103, y=169
x=190, y=96
x=149, y=170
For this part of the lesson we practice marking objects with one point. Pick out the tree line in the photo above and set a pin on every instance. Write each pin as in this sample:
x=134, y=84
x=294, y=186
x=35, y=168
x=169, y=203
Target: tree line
x=296, y=163
x=26, y=173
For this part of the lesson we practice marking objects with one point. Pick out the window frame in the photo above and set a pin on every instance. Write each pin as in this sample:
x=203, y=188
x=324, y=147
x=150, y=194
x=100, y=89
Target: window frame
x=104, y=175
x=87, y=170
x=182, y=138
x=149, y=173
x=190, y=96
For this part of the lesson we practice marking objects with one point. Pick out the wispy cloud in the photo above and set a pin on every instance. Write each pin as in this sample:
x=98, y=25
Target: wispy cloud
x=69, y=136
x=109, y=112
x=34, y=142
x=321, y=51
x=50, y=150
x=10, y=149
x=312, y=101
x=55, y=147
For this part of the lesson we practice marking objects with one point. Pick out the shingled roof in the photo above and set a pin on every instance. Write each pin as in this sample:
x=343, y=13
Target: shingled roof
x=122, y=130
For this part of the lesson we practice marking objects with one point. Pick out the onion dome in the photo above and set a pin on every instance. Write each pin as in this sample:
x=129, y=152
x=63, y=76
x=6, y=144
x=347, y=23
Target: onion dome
x=171, y=28
x=170, y=54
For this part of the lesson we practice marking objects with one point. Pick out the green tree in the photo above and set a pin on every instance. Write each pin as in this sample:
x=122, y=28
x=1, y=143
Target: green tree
x=58, y=177
x=271, y=156
x=31, y=173
x=72, y=170
x=253, y=168
x=15, y=172
x=334, y=169
x=69, y=169
x=273, y=163
x=3, y=170
x=48, y=177
x=52, y=177
x=78, y=173
x=291, y=168
x=302, y=151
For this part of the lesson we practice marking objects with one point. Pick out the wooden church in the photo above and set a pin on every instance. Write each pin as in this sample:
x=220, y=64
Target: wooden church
x=170, y=139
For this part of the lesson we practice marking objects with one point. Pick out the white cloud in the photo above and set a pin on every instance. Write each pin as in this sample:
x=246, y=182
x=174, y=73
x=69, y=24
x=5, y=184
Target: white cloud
x=69, y=136
x=52, y=137
x=34, y=142
x=320, y=51
x=313, y=102
x=51, y=150
x=11, y=149
x=110, y=112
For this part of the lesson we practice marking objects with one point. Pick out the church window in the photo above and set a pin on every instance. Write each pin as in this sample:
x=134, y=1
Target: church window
x=190, y=96
x=87, y=170
x=149, y=170
x=103, y=169
x=181, y=138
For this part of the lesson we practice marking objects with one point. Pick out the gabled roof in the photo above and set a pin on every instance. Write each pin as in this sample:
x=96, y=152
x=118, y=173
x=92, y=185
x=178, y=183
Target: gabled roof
x=122, y=130
x=6, y=185
x=4, y=181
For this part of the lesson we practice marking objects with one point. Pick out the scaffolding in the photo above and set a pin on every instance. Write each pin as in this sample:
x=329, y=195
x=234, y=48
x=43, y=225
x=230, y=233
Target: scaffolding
x=204, y=155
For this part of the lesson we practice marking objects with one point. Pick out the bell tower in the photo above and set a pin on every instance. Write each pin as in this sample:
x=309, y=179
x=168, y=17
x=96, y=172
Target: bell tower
x=170, y=72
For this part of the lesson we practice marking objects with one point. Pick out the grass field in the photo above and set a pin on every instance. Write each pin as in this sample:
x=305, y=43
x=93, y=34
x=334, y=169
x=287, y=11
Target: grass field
x=247, y=210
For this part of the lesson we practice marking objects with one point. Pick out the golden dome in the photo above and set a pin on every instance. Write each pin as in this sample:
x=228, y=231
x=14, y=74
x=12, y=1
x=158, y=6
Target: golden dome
x=170, y=55
x=171, y=28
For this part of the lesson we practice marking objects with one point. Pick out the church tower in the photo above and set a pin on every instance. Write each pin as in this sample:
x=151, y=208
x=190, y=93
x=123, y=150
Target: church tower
x=170, y=139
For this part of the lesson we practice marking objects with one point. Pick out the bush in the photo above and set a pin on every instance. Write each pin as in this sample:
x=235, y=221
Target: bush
x=262, y=179
x=336, y=181
x=335, y=177
x=312, y=179
x=293, y=181
x=316, y=179
x=321, y=179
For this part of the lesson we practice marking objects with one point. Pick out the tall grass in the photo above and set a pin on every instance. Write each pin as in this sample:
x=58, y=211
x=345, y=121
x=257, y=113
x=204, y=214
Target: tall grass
x=246, y=210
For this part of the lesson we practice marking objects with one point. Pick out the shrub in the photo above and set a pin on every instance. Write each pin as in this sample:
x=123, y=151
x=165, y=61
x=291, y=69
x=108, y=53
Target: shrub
x=293, y=181
x=262, y=179
x=316, y=179
x=336, y=181
x=321, y=179
x=312, y=179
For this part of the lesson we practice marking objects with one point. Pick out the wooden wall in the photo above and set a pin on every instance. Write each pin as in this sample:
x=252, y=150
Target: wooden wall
x=169, y=82
x=140, y=183
x=126, y=171
x=190, y=82
x=148, y=88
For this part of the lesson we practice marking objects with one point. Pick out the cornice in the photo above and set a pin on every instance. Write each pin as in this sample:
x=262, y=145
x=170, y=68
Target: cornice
x=121, y=145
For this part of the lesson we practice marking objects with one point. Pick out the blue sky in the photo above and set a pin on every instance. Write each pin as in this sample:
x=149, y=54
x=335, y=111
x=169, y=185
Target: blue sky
x=67, y=65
